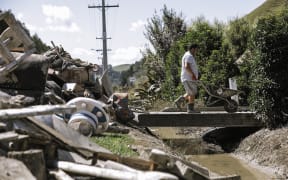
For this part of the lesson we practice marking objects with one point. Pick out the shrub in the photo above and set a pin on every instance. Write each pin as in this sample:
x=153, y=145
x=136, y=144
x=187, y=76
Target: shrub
x=270, y=76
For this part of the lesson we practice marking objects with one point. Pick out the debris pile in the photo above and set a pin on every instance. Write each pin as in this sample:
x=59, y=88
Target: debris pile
x=45, y=98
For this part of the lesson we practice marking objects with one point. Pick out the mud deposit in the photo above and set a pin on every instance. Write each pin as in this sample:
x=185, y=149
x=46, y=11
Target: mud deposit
x=225, y=164
x=189, y=141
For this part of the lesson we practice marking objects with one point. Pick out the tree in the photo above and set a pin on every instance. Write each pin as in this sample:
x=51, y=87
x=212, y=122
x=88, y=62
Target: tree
x=208, y=36
x=238, y=35
x=39, y=45
x=163, y=31
x=154, y=67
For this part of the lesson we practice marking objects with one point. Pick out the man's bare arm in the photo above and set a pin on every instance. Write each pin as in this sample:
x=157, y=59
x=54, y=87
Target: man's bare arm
x=189, y=70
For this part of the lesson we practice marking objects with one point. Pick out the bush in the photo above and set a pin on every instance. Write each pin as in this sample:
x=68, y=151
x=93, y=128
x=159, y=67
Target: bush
x=270, y=76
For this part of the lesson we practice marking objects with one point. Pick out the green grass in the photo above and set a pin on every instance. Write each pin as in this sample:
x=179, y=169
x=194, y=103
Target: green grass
x=122, y=67
x=116, y=143
x=267, y=8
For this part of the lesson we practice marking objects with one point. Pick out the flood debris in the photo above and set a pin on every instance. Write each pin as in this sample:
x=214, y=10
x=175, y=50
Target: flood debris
x=50, y=104
x=184, y=169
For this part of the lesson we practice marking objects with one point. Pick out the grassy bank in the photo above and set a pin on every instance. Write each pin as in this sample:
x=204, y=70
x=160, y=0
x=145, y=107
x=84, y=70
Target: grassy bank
x=116, y=143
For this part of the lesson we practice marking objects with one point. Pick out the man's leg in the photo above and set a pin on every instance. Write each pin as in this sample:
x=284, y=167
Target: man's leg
x=190, y=105
x=180, y=100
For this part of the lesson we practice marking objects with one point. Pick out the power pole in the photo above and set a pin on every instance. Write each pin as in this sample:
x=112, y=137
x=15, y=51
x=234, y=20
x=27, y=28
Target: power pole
x=104, y=33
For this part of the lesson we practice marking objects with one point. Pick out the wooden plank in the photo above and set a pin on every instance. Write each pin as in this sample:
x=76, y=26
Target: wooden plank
x=138, y=163
x=8, y=136
x=69, y=138
x=34, y=111
x=34, y=161
x=214, y=108
x=3, y=126
x=211, y=119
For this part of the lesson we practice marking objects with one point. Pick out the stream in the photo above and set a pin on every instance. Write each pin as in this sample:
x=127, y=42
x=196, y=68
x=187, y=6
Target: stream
x=226, y=164
x=215, y=159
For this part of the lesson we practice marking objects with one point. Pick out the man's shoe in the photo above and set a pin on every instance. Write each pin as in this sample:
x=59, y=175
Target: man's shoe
x=190, y=111
x=180, y=100
x=190, y=108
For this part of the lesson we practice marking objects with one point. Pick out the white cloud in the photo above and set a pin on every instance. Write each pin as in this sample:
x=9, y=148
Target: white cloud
x=78, y=52
x=73, y=27
x=34, y=29
x=119, y=56
x=55, y=13
x=126, y=55
x=137, y=25
x=58, y=18
x=20, y=16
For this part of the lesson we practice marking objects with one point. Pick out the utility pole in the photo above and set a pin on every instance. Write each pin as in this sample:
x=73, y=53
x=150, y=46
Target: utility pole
x=104, y=33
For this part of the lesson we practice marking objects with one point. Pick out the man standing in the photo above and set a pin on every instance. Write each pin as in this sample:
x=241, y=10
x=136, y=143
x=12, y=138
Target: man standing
x=189, y=77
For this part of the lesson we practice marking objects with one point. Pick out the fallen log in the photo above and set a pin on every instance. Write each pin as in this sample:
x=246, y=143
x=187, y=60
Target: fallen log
x=109, y=173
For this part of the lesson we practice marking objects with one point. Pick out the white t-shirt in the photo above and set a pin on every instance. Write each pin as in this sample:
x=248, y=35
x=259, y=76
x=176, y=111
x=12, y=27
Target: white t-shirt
x=185, y=76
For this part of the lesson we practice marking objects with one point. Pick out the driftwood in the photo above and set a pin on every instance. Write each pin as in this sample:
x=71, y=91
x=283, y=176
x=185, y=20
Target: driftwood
x=110, y=173
x=136, y=163
x=60, y=175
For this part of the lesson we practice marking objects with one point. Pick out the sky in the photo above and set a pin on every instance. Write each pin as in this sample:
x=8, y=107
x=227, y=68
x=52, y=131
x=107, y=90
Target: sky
x=74, y=26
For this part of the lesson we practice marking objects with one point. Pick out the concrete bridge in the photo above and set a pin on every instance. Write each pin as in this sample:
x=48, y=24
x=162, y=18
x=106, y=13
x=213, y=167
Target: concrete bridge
x=202, y=119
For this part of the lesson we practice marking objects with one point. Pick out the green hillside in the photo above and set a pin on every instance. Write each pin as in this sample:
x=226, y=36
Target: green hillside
x=122, y=67
x=268, y=7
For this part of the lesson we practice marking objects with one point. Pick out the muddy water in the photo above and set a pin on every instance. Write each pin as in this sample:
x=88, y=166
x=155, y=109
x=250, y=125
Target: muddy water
x=222, y=164
x=225, y=164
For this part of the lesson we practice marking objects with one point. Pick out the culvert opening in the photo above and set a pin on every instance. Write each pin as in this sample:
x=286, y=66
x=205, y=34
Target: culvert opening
x=211, y=150
x=214, y=141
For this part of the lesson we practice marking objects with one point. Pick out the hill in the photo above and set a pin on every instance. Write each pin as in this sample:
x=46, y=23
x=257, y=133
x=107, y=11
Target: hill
x=122, y=67
x=268, y=7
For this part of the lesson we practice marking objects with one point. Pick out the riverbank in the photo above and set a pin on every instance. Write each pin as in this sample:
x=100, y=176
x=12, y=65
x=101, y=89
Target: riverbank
x=264, y=153
x=266, y=149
